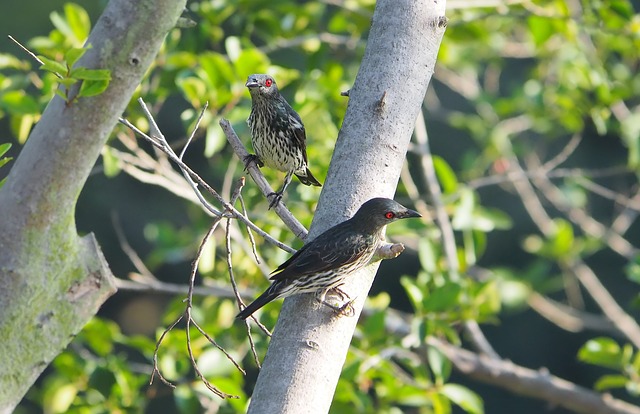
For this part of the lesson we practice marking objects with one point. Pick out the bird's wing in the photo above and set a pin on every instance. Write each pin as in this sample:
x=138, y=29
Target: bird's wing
x=299, y=133
x=323, y=254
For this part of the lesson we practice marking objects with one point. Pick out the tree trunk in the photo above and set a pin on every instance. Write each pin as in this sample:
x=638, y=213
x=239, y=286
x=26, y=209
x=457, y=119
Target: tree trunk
x=51, y=280
x=309, y=344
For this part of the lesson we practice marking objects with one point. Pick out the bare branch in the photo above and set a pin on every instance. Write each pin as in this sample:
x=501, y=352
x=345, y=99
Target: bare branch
x=448, y=239
x=622, y=320
x=129, y=251
x=569, y=318
x=536, y=384
x=164, y=288
x=197, y=179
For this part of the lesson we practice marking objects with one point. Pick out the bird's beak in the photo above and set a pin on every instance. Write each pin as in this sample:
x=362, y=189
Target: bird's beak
x=252, y=83
x=410, y=214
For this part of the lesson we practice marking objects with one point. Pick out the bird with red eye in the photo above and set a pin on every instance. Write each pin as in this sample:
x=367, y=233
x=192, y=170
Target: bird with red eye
x=322, y=265
x=277, y=135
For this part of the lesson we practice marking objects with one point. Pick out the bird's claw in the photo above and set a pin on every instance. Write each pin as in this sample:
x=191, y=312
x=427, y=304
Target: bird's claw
x=336, y=291
x=344, y=309
x=276, y=199
x=252, y=158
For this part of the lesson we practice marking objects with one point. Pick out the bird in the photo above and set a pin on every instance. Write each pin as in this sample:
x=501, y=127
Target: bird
x=277, y=134
x=322, y=265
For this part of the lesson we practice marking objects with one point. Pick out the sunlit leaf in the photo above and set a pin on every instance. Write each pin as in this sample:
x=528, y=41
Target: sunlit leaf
x=464, y=398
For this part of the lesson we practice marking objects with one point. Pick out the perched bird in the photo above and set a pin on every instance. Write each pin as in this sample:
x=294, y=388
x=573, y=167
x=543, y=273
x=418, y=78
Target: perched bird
x=277, y=134
x=324, y=263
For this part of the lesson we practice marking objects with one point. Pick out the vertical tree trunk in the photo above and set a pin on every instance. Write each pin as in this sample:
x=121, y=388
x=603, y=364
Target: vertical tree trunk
x=51, y=280
x=309, y=345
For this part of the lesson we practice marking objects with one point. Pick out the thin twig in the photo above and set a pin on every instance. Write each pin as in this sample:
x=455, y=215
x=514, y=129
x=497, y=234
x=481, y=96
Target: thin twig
x=129, y=251
x=580, y=217
x=559, y=173
x=202, y=183
x=189, y=318
x=563, y=155
x=156, y=371
x=250, y=233
x=428, y=169
x=622, y=320
x=159, y=287
x=33, y=55
x=195, y=129
x=568, y=318
x=448, y=239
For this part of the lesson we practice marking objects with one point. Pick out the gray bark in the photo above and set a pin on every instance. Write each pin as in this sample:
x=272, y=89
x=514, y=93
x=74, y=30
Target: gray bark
x=51, y=280
x=309, y=344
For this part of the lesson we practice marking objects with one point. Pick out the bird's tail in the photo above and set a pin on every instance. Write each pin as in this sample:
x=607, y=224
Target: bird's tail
x=267, y=296
x=307, y=178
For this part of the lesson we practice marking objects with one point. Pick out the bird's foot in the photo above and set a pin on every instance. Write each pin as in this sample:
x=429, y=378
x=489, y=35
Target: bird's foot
x=252, y=158
x=275, y=200
x=343, y=306
x=336, y=291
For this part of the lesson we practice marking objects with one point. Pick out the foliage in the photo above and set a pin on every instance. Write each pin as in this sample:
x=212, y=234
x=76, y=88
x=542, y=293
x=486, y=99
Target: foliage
x=605, y=352
x=94, y=81
x=4, y=148
x=512, y=85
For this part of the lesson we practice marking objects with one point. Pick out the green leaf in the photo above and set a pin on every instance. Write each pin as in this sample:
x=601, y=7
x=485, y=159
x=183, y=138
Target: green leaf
x=446, y=175
x=443, y=299
x=67, y=82
x=633, y=388
x=233, y=48
x=72, y=55
x=463, y=214
x=92, y=88
x=427, y=255
x=19, y=103
x=413, y=291
x=607, y=382
x=110, y=163
x=630, y=129
x=91, y=74
x=78, y=21
x=438, y=364
x=541, y=28
x=463, y=397
x=4, y=148
x=52, y=66
x=564, y=241
x=251, y=61
x=215, y=140
x=604, y=352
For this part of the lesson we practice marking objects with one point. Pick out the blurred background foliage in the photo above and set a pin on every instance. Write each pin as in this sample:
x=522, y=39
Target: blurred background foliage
x=517, y=83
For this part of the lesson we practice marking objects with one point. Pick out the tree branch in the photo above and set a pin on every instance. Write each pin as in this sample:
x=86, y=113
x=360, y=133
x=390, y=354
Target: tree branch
x=309, y=344
x=536, y=384
x=52, y=281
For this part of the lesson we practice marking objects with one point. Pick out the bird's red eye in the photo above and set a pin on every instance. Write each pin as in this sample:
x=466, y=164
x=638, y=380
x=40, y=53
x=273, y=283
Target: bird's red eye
x=268, y=83
x=389, y=215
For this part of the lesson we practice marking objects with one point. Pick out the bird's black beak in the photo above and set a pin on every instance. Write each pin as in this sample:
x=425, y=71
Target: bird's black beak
x=252, y=83
x=410, y=214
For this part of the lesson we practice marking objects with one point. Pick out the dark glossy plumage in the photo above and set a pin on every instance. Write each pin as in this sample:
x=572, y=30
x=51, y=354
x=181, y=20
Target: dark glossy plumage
x=323, y=264
x=277, y=133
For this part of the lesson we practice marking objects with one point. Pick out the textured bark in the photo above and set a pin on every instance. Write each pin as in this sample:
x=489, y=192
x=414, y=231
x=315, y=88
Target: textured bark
x=309, y=344
x=51, y=280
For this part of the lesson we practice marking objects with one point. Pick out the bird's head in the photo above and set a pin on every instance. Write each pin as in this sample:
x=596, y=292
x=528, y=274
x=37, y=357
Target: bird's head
x=261, y=85
x=378, y=212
